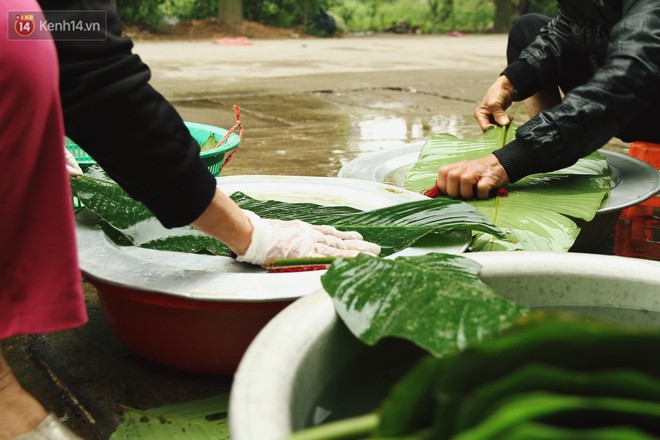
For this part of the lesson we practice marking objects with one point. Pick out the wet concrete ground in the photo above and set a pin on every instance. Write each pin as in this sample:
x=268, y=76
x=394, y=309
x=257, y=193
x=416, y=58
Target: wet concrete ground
x=308, y=107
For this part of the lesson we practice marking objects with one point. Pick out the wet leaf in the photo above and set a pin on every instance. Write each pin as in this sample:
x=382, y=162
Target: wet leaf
x=542, y=431
x=541, y=406
x=394, y=228
x=436, y=301
x=209, y=144
x=198, y=419
x=537, y=209
x=620, y=383
x=557, y=369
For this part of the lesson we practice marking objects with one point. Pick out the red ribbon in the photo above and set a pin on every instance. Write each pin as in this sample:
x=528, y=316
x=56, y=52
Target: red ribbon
x=238, y=124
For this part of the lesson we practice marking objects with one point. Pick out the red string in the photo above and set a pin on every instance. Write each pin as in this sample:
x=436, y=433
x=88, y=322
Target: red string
x=432, y=192
x=238, y=124
x=297, y=268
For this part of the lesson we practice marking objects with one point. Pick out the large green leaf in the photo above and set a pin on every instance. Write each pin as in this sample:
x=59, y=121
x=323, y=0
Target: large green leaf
x=436, y=300
x=393, y=228
x=537, y=210
x=555, y=354
x=538, y=406
x=198, y=419
x=628, y=384
x=444, y=149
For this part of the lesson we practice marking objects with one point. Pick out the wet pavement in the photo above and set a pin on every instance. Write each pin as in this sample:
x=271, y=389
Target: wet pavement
x=308, y=108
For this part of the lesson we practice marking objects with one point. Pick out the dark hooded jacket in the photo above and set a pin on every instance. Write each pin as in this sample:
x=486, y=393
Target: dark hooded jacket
x=621, y=38
x=131, y=130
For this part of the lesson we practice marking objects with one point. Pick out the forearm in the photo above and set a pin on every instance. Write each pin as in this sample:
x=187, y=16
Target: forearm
x=133, y=132
x=225, y=221
x=539, y=64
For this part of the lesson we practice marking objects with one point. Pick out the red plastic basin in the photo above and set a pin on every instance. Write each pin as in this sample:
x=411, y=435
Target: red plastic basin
x=198, y=336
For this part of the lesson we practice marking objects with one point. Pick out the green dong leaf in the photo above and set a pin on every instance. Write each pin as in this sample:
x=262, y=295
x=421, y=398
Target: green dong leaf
x=538, y=209
x=436, y=301
x=393, y=228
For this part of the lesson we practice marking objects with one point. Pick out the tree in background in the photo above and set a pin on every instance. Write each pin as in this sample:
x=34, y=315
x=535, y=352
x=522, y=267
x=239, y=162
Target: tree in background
x=508, y=10
x=505, y=13
x=443, y=11
x=428, y=16
x=283, y=13
x=231, y=12
x=144, y=13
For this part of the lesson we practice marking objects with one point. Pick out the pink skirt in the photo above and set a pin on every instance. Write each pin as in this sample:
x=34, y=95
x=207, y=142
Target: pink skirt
x=40, y=285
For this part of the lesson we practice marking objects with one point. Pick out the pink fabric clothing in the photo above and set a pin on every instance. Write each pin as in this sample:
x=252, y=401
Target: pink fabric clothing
x=40, y=285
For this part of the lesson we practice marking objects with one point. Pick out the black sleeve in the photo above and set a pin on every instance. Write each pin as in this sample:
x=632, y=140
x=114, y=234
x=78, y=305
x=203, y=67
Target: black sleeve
x=620, y=90
x=540, y=63
x=131, y=130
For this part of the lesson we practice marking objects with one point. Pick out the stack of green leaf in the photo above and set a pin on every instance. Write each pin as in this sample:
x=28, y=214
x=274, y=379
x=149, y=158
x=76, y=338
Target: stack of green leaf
x=495, y=369
x=394, y=228
x=552, y=378
x=538, y=209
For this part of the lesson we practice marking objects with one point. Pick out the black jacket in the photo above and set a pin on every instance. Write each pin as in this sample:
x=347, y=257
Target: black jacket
x=622, y=40
x=132, y=131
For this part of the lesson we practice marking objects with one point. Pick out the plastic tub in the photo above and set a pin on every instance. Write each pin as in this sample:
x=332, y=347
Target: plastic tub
x=296, y=358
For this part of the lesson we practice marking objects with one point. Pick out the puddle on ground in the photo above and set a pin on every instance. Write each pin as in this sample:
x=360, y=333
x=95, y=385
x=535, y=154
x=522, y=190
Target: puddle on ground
x=377, y=132
x=315, y=134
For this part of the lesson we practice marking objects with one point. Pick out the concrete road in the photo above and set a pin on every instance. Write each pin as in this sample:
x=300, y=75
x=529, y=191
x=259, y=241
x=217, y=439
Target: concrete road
x=185, y=69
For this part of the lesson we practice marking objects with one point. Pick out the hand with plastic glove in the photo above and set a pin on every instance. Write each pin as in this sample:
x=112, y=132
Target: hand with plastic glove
x=277, y=239
x=72, y=166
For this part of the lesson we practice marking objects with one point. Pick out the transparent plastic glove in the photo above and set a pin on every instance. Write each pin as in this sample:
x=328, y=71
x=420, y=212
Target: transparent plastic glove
x=277, y=239
x=72, y=166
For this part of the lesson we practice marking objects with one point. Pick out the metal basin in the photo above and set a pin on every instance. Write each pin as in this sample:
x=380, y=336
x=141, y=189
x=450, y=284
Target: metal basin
x=632, y=181
x=295, y=358
x=199, y=312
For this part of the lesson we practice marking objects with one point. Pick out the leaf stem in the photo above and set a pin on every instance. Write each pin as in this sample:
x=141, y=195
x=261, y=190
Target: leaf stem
x=502, y=139
x=300, y=262
x=354, y=427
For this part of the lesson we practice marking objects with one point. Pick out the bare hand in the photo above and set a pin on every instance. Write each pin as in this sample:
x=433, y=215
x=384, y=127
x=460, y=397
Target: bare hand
x=470, y=178
x=72, y=167
x=491, y=111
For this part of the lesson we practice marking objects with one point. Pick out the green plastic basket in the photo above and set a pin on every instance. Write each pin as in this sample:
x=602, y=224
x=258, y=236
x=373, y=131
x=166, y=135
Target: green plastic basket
x=213, y=158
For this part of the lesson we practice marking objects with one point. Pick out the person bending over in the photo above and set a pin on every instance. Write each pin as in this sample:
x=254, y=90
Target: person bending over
x=605, y=58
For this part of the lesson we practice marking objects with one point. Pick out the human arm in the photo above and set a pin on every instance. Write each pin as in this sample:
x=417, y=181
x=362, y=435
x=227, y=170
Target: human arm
x=134, y=133
x=262, y=241
x=140, y=140
x=625, y=85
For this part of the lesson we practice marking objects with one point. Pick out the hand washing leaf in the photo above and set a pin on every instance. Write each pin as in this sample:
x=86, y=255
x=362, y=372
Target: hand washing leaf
x=444, y=149
x=436, y=301
x=538, y=209
x=394, y=228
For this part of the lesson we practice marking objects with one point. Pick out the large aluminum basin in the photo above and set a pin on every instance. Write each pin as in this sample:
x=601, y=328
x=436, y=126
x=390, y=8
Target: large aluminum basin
x=298, y=354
